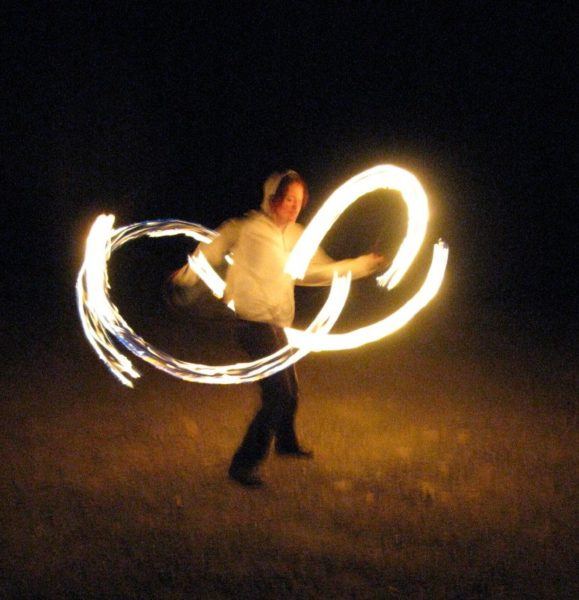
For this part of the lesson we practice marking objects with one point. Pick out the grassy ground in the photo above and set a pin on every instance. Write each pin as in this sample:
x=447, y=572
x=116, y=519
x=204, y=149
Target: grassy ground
x=444, y=467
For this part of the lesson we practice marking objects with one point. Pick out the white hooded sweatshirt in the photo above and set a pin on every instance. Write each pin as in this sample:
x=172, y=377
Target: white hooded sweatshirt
x=256, y=281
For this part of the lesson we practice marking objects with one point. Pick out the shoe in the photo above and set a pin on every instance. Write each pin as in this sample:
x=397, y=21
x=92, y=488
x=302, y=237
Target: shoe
x=245, y=476
x=295, y=453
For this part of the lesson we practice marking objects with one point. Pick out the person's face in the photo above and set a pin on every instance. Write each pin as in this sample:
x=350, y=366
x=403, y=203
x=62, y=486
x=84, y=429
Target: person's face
x=289, y=208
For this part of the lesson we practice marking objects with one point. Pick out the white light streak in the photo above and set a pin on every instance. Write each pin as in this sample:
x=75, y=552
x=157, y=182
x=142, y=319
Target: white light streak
x=380, y=177
x=205, y=271
x=103, y=323
x=385, y=327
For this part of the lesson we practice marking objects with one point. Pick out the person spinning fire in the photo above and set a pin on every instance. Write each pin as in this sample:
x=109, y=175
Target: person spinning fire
x=263, y=300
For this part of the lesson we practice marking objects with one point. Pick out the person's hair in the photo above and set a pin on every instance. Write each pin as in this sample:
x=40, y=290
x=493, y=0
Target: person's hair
x=283, y=185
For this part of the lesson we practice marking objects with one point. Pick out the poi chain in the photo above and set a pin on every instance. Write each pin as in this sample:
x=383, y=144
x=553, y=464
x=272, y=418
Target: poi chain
x=103, y=323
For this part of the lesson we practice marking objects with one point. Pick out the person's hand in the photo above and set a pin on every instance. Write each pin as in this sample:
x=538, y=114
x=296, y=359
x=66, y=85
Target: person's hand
x=372, y=262
x=184, y=277
x=182, y=288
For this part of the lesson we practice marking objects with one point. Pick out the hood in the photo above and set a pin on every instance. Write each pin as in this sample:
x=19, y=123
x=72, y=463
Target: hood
x=270, y=186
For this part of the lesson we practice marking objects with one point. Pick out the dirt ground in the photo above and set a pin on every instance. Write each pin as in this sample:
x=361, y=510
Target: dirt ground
x=445, y=467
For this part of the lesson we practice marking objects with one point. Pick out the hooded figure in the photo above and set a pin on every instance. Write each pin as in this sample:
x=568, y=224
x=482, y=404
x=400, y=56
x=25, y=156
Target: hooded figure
x=262, y=296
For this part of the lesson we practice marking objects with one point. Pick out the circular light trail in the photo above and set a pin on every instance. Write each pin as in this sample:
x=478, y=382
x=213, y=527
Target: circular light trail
x=103, y=323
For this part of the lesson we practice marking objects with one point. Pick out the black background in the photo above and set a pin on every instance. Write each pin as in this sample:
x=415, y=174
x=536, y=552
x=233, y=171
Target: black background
x=181, y=112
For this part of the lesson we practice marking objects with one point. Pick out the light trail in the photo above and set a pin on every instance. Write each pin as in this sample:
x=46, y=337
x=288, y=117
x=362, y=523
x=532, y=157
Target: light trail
x=102, y=320
x=200, y=265
x=386, y=177
x=385, y=327
x=103, y=323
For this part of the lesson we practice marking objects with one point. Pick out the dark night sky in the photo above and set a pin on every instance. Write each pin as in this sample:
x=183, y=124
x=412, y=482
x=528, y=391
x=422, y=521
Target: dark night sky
x=164, y=112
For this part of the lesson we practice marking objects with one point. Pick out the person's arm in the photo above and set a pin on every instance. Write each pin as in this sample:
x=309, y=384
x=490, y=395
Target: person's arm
x=322, y=268
x=214, y=252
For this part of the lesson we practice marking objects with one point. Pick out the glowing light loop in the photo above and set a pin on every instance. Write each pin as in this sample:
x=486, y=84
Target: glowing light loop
x=103, y=323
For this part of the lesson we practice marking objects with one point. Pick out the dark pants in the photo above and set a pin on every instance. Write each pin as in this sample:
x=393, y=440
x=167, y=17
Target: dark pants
x=279, y=397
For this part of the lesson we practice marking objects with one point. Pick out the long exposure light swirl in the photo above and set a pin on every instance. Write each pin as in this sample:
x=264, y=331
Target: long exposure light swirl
x=103, y=323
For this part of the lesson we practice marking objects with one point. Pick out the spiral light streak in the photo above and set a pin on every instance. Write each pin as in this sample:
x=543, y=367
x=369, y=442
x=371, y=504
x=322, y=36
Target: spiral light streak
x=381, y=177
x=103, y=323
x=91, y=293
x=385, y=327
x=205, y=271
